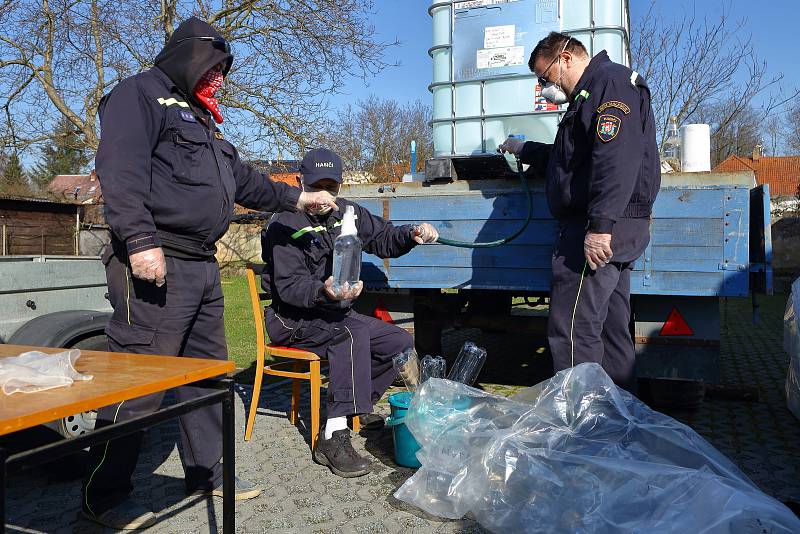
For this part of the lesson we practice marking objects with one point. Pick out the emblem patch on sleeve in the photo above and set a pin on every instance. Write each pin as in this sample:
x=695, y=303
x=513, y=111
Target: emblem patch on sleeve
x=608, y=127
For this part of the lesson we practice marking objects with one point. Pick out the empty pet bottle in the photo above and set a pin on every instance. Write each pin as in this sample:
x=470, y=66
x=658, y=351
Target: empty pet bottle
x=347, y=254
x=672, y=144
x=468, y=364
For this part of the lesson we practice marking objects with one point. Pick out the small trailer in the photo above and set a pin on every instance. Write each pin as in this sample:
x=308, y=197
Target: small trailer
x=55, y=301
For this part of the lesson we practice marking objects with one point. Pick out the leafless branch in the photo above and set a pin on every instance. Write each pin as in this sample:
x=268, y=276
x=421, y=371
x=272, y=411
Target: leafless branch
x=60, y=56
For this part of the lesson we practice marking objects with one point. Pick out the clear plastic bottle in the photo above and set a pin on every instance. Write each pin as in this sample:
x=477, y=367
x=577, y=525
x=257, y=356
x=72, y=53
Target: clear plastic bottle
x=347, y=254
x=672, y=145
x=468, y=364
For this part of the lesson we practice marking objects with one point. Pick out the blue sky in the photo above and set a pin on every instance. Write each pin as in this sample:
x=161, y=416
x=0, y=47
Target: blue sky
x=772, y=30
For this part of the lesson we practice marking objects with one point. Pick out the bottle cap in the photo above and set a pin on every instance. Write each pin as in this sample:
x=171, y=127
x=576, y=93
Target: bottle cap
x=349, y=222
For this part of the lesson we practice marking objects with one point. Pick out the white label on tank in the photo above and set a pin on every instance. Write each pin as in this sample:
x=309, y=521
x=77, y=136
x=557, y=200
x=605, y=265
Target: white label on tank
x=468, y=4
x=498, y=36
x=501, y=57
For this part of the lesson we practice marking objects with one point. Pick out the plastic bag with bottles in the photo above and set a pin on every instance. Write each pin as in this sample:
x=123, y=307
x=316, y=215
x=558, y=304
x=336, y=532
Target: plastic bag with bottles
x=575, y=454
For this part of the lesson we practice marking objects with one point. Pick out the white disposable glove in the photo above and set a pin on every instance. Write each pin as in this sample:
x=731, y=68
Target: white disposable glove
x=597, y=249
x=513, y=145
x=348, y=293
x=316, y=202
x=149, y=265
x=425, y=233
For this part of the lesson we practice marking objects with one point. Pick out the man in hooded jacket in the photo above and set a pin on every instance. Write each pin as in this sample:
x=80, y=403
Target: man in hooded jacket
x=170, y=180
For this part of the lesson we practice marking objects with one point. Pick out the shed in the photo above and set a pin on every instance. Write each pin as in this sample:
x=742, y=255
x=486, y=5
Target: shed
x=30, y=226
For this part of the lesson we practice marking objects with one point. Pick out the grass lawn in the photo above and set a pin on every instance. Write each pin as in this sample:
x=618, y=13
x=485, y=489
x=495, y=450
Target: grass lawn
x=239, y=326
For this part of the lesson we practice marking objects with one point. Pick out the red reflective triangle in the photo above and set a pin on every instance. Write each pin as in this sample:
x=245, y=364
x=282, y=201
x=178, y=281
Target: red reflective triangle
x=676, y=325
x=382, y=313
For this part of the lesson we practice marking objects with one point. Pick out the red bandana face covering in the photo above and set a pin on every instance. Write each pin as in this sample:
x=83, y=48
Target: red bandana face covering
x=205, y=90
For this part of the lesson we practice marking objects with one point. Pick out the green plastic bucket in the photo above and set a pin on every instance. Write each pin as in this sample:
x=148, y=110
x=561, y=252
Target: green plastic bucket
x=405, y=446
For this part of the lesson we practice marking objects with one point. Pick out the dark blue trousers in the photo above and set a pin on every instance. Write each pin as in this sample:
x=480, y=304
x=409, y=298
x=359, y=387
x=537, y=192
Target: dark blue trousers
x=182, y=318
x=359, y=350
x=590, y=311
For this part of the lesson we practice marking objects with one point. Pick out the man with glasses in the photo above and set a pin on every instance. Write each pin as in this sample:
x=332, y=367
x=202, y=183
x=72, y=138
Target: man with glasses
x=170, y=181
x=602, y=176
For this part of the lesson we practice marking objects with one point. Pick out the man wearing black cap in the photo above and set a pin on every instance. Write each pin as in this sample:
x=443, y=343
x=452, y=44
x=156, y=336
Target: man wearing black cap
x=306, y=313
x=170, y=181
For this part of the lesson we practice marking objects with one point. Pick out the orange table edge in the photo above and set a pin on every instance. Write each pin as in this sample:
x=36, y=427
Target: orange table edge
x=117, y=377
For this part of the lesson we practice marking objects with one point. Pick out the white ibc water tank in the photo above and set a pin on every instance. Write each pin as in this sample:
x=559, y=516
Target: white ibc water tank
x=482, y=87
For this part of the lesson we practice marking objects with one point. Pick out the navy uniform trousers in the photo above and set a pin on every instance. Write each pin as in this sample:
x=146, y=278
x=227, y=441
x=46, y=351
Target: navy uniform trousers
x=592, y=326
x=183, y=317
x=359, y=350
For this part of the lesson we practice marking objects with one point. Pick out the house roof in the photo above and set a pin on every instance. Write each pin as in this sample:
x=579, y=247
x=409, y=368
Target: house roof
x=781, y=173
x=276, y=166
x=80, y=187
x=34, y=200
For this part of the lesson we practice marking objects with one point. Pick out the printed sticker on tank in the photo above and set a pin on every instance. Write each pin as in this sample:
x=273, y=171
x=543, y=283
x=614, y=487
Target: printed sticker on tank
x=469, y=4
x=499, y=36
x=500, y=57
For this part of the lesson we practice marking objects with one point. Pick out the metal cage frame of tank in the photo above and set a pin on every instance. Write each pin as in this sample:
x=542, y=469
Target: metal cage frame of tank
x=592, y=29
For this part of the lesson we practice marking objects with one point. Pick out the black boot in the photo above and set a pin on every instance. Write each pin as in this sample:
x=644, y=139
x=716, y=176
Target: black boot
x=339, y=455
x=371, y=421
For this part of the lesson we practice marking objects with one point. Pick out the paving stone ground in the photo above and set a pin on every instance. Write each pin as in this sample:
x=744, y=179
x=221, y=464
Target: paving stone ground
x=299, y=496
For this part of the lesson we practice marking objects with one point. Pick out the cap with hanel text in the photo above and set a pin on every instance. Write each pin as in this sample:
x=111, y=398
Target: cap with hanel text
x=319, y=164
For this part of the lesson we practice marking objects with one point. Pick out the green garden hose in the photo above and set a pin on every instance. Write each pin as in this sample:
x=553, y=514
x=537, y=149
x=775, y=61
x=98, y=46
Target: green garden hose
x=464, y=244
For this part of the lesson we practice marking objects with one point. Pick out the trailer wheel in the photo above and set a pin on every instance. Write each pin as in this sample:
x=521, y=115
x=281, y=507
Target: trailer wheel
x=81, y=423
x=98, y=342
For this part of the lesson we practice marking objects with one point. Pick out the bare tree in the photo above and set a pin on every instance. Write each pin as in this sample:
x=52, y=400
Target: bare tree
x=59, y=57
x=731, y=135
x=793, y=129
x=692, y=65
x=773, y=134
x=375, y=135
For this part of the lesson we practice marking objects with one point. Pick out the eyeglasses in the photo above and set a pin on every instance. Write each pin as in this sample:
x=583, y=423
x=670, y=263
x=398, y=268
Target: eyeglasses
x=217, y=42
x=542, y=80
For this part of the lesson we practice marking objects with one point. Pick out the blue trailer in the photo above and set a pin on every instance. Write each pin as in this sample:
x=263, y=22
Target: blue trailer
x=710, y=232
x=709, y=238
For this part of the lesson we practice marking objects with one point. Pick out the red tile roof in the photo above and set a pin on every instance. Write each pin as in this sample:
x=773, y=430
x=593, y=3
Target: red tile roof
x=781, y=173
x=290, y=178
x=81, y=187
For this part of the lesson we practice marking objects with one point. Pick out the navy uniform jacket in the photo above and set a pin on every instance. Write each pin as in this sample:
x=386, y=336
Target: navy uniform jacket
x=169, y=178
x=298, y=251
x=603, y=170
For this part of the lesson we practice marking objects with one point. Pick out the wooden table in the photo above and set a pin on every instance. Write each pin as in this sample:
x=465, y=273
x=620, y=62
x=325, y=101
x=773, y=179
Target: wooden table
x=117, y=377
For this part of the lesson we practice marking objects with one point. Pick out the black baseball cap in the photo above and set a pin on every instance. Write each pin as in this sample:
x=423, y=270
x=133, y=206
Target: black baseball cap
x=319, y=164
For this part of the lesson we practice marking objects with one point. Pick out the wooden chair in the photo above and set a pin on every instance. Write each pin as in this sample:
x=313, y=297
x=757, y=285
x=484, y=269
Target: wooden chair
x=296, y=358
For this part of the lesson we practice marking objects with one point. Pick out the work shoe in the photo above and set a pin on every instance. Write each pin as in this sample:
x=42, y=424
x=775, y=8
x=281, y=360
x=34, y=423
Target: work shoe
x=244, y=490
x=371, y=421
x=339, y=455
x=128, y=515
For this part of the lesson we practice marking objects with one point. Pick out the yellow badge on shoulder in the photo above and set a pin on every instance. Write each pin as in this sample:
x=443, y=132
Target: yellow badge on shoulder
x=218, y=135
x=608, y=127
x=622, y=106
